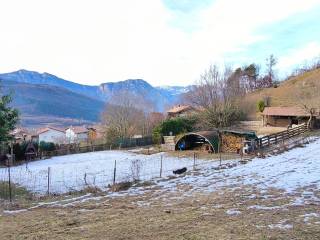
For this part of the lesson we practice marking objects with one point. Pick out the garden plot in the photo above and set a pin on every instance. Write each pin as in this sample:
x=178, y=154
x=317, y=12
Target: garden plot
x=74, y=172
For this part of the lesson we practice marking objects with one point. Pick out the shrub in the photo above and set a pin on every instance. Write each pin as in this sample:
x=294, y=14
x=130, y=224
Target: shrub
x=260, y=106
x=156, y=135
x=112, y=136
x=175, y=126
x=19, y=150
x=47, y=146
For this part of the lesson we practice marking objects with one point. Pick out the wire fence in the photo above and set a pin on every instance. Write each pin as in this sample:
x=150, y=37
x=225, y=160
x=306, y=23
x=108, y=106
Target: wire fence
x=102, y=170
x=40, y=178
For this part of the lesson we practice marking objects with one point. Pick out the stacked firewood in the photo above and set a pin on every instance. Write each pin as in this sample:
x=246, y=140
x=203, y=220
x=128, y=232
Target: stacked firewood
x=231, y=143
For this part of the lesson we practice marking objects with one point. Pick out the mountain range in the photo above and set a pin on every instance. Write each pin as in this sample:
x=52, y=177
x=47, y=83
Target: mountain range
x=43, y=98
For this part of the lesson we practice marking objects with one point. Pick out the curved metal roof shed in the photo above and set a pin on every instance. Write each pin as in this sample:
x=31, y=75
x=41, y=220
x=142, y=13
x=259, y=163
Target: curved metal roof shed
x=194, y=140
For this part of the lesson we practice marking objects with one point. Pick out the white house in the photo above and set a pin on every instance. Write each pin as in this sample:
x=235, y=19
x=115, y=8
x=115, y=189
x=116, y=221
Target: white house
x=77, y=134
x=51, y=134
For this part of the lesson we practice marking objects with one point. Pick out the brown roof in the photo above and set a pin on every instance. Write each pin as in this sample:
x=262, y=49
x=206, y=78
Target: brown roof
x=285, y=111
x=179, y=109
x=43, y=130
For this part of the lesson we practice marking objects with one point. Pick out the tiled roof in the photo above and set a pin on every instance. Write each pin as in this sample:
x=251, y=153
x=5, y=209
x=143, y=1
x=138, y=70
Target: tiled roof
x=285, y=111
x=43, y=130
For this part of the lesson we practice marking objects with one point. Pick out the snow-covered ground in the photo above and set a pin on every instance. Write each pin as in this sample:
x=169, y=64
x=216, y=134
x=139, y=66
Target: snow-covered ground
x=72, y=172
x=289, y=171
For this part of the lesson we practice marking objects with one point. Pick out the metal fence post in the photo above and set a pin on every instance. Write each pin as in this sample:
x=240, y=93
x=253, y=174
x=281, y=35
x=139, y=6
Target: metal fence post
x=10, y=189
x=48, y=189
x=114, y=171
x=194, y=161
x=161, y=167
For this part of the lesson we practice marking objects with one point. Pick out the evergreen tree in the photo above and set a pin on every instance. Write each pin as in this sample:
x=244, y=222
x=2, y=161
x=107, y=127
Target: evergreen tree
x=8, y=117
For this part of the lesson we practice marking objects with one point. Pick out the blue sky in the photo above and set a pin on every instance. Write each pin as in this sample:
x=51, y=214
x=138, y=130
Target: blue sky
x=166, y=42
x=284, y=38
x=187, y=6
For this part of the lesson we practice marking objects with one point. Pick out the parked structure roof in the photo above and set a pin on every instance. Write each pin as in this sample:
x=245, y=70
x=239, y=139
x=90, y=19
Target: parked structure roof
x=285, y=111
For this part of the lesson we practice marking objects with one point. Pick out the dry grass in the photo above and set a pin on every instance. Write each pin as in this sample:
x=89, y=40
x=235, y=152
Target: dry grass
x=287, y=93
x=201, y=216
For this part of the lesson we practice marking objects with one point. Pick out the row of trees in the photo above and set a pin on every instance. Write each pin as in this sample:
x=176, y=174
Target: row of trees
x=249, y=78
x=127, y=115
x=218, y=93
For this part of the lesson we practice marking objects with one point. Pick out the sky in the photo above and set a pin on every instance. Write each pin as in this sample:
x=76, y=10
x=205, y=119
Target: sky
x=165, y=42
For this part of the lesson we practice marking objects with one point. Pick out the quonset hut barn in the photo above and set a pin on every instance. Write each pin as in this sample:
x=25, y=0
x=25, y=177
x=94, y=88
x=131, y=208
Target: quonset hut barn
x=211, y=141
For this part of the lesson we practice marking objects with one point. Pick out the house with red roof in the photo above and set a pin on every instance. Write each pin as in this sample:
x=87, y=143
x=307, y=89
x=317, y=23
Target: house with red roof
x=78, y=134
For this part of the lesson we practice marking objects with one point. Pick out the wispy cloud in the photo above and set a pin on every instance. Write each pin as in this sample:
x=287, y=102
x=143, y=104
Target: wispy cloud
x=164, y=42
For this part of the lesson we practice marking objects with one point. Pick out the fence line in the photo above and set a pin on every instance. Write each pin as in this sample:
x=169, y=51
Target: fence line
x=74, y=149
x=47, y=181
x=279, y=137
x=50, y=182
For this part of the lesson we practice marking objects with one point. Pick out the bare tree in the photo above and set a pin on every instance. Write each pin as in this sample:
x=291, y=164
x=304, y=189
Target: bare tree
x=123, y=118
x=207, y=91
x=127, y=115
x=271, y=61
x=217, y=93
x=308, y=99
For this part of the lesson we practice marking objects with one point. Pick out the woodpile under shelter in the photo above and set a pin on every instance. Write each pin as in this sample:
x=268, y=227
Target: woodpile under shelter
x=210, y=141
x=284, y=116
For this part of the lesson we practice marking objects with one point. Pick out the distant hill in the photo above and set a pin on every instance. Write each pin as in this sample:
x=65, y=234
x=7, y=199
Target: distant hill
x=43, y=94
x=159, y=98
x=287, y=93
x=39, y=100
x=32, y=77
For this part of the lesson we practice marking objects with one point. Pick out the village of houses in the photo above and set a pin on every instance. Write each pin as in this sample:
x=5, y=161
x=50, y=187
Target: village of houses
x=56, y=135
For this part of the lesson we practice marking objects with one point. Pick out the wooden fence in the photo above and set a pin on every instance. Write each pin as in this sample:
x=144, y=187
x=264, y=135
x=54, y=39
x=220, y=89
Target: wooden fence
x=279, y=137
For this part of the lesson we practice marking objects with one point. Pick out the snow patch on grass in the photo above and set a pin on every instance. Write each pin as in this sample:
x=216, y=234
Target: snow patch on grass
x=233, y=212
